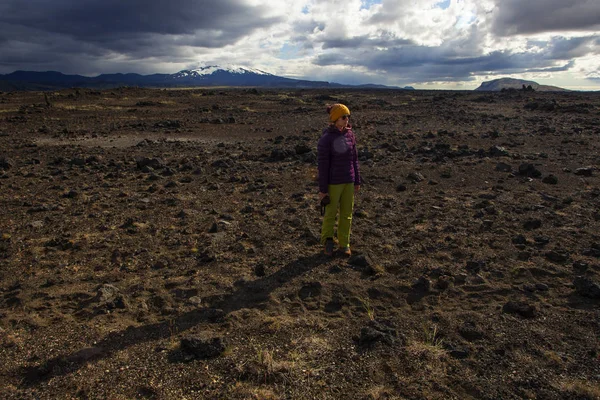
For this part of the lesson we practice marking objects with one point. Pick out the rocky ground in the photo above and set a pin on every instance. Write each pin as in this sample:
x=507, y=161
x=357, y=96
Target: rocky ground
x=164, y=244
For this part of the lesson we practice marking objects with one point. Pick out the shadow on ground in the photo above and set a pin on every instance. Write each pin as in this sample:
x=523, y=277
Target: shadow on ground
x=252, y=295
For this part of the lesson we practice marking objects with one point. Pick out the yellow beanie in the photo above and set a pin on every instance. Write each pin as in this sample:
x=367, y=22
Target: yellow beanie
x=337, y=111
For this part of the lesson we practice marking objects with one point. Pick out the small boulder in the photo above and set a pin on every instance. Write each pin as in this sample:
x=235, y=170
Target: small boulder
x=557, y=256
x=422, y=284
x=521, y=308
x=378, y=332
x=6, y=163
x=503, y=167
x=470, y=332
x=585, y=287
x=532, y=224
x=302, y=149
x=550, y=180
x=154, y=163
x=529, y=170
x=202, y=346
x=416, y=177
x=585, y=171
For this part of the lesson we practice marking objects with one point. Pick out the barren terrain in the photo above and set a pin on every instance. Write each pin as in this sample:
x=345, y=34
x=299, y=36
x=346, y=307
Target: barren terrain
x=163, y=244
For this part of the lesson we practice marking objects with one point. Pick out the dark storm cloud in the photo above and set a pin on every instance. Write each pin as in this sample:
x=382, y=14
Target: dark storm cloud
x=563, y=49
x=565, y=67
x=365, y=41
x=132, y=28
x=222, y=21
x=534, y=16
x=452, y=62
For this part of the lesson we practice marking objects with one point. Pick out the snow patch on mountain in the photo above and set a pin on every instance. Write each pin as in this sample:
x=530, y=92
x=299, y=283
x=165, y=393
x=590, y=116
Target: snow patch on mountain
x=211, y=69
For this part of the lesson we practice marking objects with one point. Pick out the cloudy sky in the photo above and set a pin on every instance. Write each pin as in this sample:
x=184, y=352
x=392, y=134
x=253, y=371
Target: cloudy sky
x=429, y=44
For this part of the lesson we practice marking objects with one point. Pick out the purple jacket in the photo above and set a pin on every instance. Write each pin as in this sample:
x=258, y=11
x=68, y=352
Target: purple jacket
x=338, y=158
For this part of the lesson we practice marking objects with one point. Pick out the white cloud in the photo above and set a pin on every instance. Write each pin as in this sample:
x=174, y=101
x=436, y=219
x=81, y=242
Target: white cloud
x=450, y=43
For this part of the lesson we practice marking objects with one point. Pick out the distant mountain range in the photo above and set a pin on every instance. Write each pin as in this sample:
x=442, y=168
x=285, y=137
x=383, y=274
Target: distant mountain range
x=510, y=83
x=202, y=77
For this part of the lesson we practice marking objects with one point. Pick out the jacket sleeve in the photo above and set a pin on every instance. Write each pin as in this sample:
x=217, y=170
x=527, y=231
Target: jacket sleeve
x=323, y=157
x=357, y=179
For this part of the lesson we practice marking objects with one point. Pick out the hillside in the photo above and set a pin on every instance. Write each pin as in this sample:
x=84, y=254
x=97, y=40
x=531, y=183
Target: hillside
x=200, y=77
x=497, y=85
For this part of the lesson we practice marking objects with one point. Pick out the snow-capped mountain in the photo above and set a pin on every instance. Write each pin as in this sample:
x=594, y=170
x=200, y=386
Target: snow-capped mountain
x=211, y=69
x=204, y=76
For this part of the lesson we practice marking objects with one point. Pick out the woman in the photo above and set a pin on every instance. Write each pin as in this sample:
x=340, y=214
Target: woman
x=339, y=177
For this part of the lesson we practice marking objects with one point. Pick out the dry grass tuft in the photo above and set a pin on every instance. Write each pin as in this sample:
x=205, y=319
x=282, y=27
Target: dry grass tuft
x=581, y=389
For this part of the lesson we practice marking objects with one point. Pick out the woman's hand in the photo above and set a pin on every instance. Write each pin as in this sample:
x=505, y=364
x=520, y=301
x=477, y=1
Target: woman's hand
x=322, y=195
x=356, y=188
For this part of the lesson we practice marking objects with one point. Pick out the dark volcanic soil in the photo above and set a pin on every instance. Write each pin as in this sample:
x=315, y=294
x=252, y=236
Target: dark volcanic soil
x=163, y=244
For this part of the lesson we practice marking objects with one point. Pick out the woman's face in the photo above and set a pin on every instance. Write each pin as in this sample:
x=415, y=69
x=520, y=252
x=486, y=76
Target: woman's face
x=342, y=122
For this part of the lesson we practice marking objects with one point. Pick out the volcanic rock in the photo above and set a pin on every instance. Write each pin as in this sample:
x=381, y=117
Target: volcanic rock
x=550, y=179
x=6, y=163
x=585, y=171
x=521, y=308
x=154, y=163
x=529, y=170
x=585, y=287
x=202, y=346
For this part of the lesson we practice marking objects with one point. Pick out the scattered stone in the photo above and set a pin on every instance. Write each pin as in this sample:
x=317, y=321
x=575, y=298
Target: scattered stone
x=416, y=177
x=247, y=209
x=470, y=332
x=110, y=297
x=422, y=284
x=541, y=241
x=474, y=266
x=361, y=214
x=593, y=251
x=557, y=256
x=302, y=149
x=542, y=287
x=310, y=290
x=585, y=171
x=459, y=353
x=529, y=170
x=379, y=332
x=279, y=154
x=580, y=266
x=477, y=280
x=359, y=260
x=195, y=300
x=78, y=161
x=172, y=124
x=259, y=270
x=401, y=188
x=585, y=287
x=460, y=279
x=202, y=346
x=71, y=194
x=365, y=261
x=6, y=163
x=154, y=163
x=36, y=224
x=521, y=308
x=497, y=151
x=443, y=283
x=532, y=224
x=503, y=167
x=519, y=239
x=550, y=180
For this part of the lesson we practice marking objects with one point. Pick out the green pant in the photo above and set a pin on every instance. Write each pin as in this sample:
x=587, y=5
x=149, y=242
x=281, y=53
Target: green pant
x=341, y=196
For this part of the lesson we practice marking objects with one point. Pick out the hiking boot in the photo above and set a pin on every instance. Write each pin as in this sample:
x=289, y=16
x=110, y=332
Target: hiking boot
x=329, y=247
x=345, y=251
